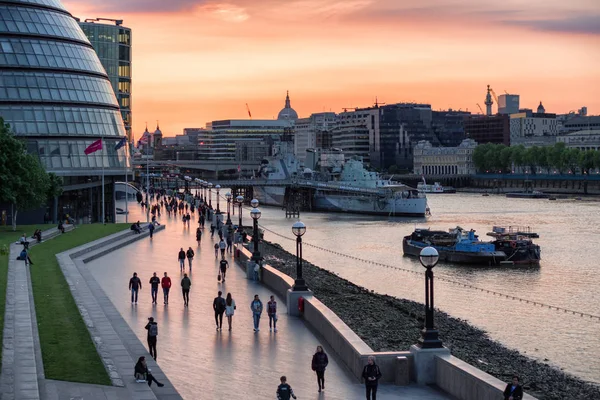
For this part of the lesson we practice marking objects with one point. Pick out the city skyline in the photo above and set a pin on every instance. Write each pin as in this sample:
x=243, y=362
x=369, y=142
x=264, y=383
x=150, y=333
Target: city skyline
x=194, y=62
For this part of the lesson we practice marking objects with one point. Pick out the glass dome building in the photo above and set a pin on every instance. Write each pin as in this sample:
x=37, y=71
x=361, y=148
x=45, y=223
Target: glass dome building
x=56, y=95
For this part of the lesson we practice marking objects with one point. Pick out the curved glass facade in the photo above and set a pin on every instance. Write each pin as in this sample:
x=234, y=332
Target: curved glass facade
x=54, y=87
x=55, y=92
x=39, y=22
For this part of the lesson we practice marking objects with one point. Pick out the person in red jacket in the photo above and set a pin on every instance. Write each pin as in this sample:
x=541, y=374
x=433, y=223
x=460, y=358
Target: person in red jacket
x=166, y=286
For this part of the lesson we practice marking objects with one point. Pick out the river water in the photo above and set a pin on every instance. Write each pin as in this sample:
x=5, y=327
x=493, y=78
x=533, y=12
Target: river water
x=569, y=275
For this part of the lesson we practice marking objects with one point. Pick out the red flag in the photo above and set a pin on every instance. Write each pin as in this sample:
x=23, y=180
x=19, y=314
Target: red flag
x=97, y=145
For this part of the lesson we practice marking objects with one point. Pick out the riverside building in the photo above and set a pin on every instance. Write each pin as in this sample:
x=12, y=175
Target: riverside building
x=488, y=129
x=55, y=95
x=112, y=43
x=429, y=160
x=533, y=129
x=314, y=132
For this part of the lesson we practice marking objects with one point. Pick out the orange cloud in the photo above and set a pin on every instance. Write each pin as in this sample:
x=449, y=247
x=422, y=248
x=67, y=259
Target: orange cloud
x=195, y=62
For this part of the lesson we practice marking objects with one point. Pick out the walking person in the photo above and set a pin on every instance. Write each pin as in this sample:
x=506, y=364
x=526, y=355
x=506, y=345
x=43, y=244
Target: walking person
x=229, y=241
x=152, y=328
x=216, y=250
x=154, y=282
x=257, y=308
x=190, y=256
x=371, y=374
x=222, y=247
x=513, y=390
x=223, y=265
x=272, y=313
x=181, y=258
x=319, y=363
x=142, y=373
x=219, y=306
x=212, y=230
x=284, y=391
x=229, y=309
x=186, y=284
x=166, y=287
x=198, y=235
x=134, y=285
x=151, y=227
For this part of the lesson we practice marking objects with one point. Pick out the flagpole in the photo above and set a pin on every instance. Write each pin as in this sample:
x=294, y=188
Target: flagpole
x=102, y=158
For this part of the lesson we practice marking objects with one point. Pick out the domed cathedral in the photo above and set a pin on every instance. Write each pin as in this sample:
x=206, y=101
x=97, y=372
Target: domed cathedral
x=541, y=109
x=57, y=97
x=157, y=137
x=287, y=113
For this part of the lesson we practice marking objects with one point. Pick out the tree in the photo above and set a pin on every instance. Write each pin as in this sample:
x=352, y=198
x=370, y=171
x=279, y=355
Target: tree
x=55, y=184
x=587, y=161
x=556, y=156
x=571, y=158
x=505, y=158
x=25, y=183
x=518, y=155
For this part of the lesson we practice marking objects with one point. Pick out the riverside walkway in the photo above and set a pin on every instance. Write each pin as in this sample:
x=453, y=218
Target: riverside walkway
x=201, y=362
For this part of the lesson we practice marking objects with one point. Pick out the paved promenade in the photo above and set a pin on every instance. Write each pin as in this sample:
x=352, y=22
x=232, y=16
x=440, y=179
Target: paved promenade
x=204, y=363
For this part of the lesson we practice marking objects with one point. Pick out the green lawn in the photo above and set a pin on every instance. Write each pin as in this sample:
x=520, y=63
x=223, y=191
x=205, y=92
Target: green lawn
x=67, y=348
x=7, y=236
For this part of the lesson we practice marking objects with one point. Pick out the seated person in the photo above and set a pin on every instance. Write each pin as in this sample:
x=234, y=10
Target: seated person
x=142, y=373
x=23, y=240
x=135, y=228
x=61, y=227
x=37, y=235
x=24, y=255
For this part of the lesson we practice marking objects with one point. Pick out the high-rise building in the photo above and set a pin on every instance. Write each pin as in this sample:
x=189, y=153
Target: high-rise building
x=112, y=43
x=488, y=129
x=314, y=132
x=355, y=131
x=449, y=126
x=508, y=104
x=56, y=95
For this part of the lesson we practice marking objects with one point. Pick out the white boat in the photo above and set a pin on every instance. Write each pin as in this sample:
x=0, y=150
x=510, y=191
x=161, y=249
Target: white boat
x=351, y=188
x=437, y=187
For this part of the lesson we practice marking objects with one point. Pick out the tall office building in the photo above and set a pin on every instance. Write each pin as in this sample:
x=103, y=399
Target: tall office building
x=508, y=104
x=112, y=43
x=56, y=95
x=314, y=132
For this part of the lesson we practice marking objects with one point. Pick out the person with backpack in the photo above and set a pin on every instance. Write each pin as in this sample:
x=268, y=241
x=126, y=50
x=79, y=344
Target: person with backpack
x=284, y=391
x=272, y=313
x=181, y=258
x=152, y=328
x=371, y=374
x=229, y=309
x=223, y=264
x=154, y=282
x=257, y=308
x=135, y=284
x=219, y=307
x=186, y=284
x=166, y=287
x=190, y=256
x=319, y=363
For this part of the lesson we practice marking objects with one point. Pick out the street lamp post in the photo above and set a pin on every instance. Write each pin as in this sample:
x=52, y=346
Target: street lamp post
x=240, y=201
x=255, y=214
x=217, y=188
x=209, y=194
x=228, y=197
x=429, y=335
x=300, y=284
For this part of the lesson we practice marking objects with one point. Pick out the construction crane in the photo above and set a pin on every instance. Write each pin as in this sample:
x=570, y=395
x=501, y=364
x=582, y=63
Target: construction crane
x=248, y=109
x=480, y=109
x=494, y=94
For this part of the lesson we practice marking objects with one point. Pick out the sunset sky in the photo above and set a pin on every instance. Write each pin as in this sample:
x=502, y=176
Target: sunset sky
x=198, y=61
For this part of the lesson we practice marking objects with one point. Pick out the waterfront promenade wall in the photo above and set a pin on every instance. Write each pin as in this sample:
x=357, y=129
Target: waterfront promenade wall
x=453, y=375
